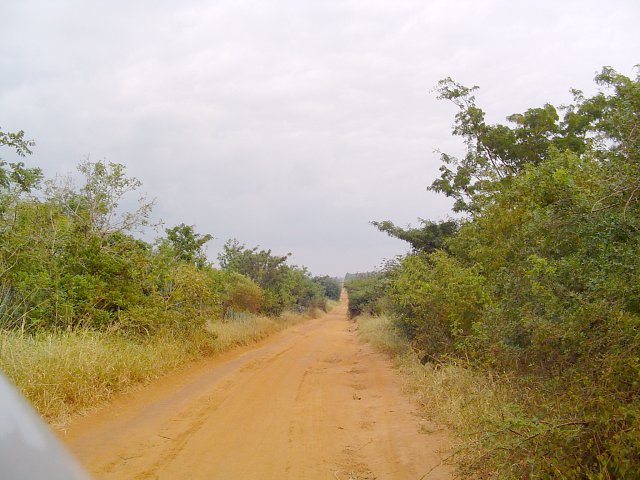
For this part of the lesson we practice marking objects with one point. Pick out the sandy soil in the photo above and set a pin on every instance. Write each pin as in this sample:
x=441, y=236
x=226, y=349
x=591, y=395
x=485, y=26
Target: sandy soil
x=311, y=402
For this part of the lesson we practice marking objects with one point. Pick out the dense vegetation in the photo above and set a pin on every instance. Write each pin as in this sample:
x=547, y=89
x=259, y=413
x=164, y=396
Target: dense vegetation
x=538, y=284
x=282, y=286
x=366, y=292
x=72, y=270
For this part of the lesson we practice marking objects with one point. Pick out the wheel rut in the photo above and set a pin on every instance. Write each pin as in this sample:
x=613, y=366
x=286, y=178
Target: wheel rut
x=311, y=402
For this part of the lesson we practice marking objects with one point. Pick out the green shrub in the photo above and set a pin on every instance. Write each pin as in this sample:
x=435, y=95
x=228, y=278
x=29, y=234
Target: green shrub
x=437, y=301
x=541, y=283
x=366, y=293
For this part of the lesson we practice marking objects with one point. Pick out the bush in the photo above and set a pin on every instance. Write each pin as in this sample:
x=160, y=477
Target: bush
x=366, y=293
x=541, y=281
x=437, y=301
x=240, y=293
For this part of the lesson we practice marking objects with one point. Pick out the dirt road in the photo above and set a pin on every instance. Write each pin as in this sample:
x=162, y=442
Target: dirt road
x=311, y=402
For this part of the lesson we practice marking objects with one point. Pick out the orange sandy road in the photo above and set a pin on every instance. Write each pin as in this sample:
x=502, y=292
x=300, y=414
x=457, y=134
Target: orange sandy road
x=311, y=402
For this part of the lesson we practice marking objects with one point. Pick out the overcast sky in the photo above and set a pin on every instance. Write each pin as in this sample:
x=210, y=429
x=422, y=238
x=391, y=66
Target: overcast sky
x=289, y=124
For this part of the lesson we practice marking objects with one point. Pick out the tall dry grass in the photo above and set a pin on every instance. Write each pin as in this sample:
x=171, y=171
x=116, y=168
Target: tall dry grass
x=60, y=373
x=382, y=334
x=473, y=405
x=65, y=372
x=468, y=402
x=249, y=329
x=331, y=304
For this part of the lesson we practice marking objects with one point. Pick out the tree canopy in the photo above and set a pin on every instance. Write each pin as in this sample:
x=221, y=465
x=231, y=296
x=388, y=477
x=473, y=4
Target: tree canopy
x=187, y=244
x=604, y=125
x=428, y=238
x=539, y=281
x=15, y=175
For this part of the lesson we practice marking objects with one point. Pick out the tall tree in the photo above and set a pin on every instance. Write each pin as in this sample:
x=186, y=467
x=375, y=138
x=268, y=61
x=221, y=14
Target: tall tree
x=497, y=152
x=428, y=238
x=188, y=245
x=96, y=205
x=15, y=178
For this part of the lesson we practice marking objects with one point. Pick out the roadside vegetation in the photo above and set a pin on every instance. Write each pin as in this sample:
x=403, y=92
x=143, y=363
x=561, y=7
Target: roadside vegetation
x=62, y=372
x=88, y=309
x=522, y=316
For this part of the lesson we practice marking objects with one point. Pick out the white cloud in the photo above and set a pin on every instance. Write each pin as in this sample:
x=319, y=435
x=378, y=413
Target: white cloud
x=284, y=123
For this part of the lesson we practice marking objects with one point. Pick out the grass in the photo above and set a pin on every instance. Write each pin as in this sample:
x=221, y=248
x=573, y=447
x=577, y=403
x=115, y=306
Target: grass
x=511, y=427
x=469, y=403
x=331, y=304
x=65, y=372
x=380, y=332
x=250, y=329
x=466, y=401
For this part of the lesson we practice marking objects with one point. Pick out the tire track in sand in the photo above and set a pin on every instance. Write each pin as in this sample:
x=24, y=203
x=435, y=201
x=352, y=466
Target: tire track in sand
x=311, y=402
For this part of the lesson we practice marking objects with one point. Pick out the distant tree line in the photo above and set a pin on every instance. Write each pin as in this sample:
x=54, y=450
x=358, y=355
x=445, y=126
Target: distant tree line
x=69, y=259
